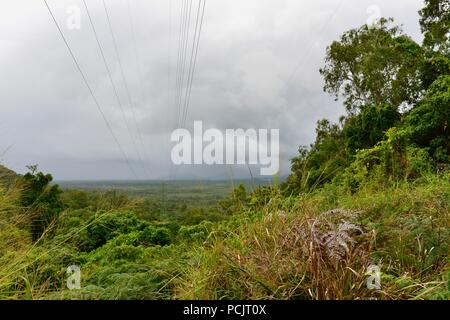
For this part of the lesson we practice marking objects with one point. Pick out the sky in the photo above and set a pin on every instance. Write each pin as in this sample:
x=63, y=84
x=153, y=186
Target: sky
x=257, y=67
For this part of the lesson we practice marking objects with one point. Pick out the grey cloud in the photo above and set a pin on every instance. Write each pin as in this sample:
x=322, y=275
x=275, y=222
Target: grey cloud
x=257, y=68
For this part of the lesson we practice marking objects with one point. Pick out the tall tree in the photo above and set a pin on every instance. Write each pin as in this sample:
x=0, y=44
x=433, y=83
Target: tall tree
x=373, y=65
x=435, y=25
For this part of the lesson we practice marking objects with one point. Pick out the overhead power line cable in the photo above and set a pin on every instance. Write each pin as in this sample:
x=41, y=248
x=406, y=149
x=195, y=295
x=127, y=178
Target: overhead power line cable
x=195, y=62
x=182, y=55
x=139, y=76
x=183, y=65
x=184, y=103
x=116, y=94
x=99, y=108
x=308, y=50
x=190, y=63
x=177, y=111
x=122, y=73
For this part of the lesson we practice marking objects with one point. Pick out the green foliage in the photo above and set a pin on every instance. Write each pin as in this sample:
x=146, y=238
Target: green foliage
x=197, y=232
x=257, y=253
x=435, y=25
x=378, y=69
x=235, y=201
x=404, y=230
x=103, y=227
x=76, y=199
x=262, y=196
x=366, y=129
x=389, y=160
x=428, y=123
x=435, y=65
x=320, y=163
x=41, y=199
x=158, y=236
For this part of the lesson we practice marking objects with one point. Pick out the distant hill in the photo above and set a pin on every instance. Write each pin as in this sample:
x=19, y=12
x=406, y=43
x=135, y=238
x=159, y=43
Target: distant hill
x=6, y=175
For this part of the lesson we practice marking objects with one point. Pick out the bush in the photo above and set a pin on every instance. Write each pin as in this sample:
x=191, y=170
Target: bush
x=197, y=232
x=158, y=236
x=105, y=226
x=41, y=199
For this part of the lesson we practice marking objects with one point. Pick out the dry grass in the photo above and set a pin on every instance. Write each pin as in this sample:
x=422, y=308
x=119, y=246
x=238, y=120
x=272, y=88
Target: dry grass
x=285, y=256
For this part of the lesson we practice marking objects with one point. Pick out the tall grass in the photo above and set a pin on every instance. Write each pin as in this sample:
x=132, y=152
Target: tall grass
x=301, y=249
x=24, y=263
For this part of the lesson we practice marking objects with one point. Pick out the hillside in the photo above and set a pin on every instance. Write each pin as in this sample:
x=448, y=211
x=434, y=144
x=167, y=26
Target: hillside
x=256, y=246
x=323, y=246
x=7, y=175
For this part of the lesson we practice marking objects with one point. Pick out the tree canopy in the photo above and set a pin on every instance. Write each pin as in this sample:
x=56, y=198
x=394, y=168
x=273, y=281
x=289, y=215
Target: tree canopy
x=373, y=65
x=378, y=70
x=435, y=25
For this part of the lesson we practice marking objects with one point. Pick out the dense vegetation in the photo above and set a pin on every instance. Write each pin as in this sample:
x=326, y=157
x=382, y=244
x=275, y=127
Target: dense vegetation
x=373, y=189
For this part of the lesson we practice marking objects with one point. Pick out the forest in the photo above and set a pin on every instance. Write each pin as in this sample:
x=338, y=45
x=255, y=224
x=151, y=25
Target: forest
x=373, y=189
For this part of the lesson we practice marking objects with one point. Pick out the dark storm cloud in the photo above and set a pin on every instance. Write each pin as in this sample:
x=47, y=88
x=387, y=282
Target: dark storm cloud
x=257, y=68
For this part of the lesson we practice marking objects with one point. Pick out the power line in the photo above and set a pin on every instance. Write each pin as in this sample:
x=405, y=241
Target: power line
x=185, y=47
x=195, y=62
x=169, y=61
x=180, y=77
x=99, y=108
x=122, y=73
x=178, y=65
x=178, y=80
x=110, y=78
x=184, y=105
x=181, y=56
x=308, y=51
x=139, y=74
x=190, y=63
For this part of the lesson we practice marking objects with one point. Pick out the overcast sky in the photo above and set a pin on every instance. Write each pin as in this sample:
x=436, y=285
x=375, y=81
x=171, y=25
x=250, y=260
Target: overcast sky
x=257, y=67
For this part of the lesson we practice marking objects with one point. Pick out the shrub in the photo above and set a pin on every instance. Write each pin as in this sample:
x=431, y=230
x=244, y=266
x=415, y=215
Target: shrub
x=41, y=199
x=105, y=226
x=197, y=232
x=158, y=236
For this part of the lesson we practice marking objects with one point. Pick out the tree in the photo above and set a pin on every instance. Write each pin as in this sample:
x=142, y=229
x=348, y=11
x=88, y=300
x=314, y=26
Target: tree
x=435, y=25
x=373, y=66
x=364, y=130
x=435, y=65
x=378, y=69
x=235, y=201
x=428, y=123
x=41, y=199
x=321, y=162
